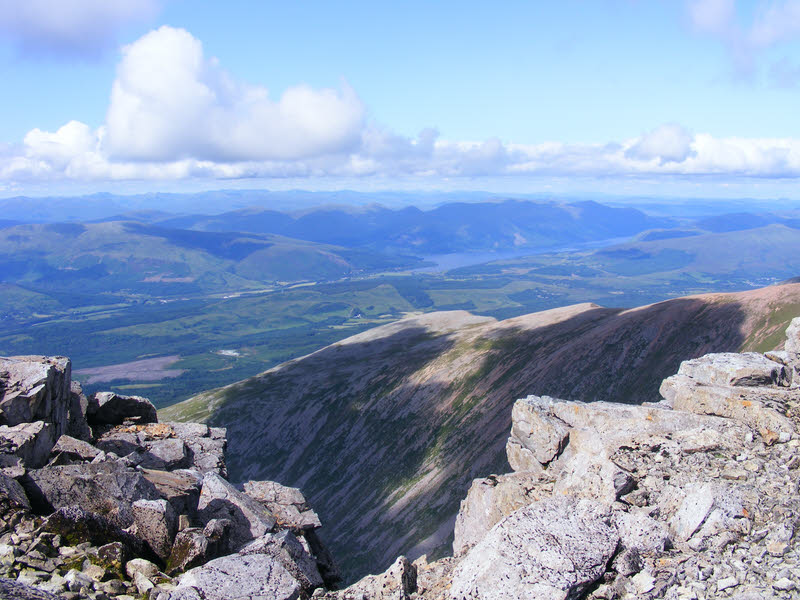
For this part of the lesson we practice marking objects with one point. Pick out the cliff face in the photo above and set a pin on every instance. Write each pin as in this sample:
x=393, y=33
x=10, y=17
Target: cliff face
x=385, y=430
x=691, y=497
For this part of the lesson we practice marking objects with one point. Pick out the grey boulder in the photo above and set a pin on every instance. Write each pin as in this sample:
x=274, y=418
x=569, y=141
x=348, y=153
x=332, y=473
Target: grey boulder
x=29, y=442
x=491, y=499
x=250, y=577
x=35, y=388
x=156, y=524
x=68, y=450
x=549, y=550
x=728, y=368
x=106, y=488
x=287, y=504
x=108, y=408
x=220, y=500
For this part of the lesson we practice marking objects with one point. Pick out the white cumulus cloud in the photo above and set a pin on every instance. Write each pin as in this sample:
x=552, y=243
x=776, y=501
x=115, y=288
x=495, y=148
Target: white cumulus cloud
x=170, y=102
x=668, y=143
x=176, y=114
x=72, y=27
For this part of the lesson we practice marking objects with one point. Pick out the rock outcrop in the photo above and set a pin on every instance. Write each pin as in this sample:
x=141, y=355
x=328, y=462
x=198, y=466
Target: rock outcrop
x=100, y=500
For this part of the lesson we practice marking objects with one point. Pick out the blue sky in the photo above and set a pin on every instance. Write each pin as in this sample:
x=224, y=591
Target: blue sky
x=618, y=96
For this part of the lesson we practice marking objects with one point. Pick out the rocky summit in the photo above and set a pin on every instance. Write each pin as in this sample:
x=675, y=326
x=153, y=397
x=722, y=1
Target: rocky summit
x=100, y=500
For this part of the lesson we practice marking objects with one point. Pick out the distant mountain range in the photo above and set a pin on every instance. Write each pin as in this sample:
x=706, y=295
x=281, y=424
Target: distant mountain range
x=385, y=430
x=138, y=258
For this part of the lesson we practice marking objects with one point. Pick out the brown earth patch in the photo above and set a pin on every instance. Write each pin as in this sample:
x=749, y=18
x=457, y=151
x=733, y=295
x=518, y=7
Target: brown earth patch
x=148, y=369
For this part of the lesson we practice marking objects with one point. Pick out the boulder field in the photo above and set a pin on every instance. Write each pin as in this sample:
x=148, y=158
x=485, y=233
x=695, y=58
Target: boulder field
x=690, y=498
x=100, y=500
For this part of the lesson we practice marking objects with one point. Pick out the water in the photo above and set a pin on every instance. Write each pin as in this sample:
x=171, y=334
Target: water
x=447, y=262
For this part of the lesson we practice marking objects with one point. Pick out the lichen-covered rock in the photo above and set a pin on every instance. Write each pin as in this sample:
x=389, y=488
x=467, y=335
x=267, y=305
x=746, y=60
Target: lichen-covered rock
x=156, y=524
x=30, y=442
x=287, y=504
x=35, y=388
x=68, y=450
x=15, y=590
x=189, y=549
x=552, y=549
x=250, y=577
x=12, y=494
x=762, y=408
x=286, y=548
x=728, y=368
x=398, y=582
x=491, y=499
x=181, y=488
x=108, y=489
x=220, y=500
x=108, y=408
x=77, y=526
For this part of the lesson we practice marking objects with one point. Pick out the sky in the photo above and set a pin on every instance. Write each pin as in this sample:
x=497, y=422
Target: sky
x=639, y=97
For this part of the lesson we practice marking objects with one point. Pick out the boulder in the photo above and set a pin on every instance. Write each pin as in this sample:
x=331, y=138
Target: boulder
x=286, y=549
x=760, y=408
x=220, y=500
x=703, y=510
x=206, y=446
x=728, y=368
x=792, y=344
x=589, y=462
x=239, y=577
x=166, y=454
x=12, y=494
x=35, y=388
x=191, y=548
x=29, y=442
x=106, y=488
x=19, y=591
x=398, y=582
x=121, y=443
x=78, y=426
x=156, y=524
x=552, y=549
x=287, y=504
x=491, y=499
x=181, y=488
x=78, y=526
x=68, y=450
x=641, y=532
x=108, y=408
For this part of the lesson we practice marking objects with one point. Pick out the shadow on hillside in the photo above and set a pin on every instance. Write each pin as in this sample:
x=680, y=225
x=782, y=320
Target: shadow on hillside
x=357, y=426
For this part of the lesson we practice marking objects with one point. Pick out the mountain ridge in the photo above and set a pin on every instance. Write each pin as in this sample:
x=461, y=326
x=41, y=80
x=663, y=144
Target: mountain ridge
x=385, y=431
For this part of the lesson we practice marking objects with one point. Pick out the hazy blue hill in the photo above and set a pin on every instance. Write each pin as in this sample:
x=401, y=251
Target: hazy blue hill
x=666, y=234
x=452, y=227
x=737, y=222
x=138, y=258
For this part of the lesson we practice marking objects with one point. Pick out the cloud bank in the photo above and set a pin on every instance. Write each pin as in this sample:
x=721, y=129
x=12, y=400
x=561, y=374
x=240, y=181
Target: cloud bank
x=176, y=114
x=70, y=27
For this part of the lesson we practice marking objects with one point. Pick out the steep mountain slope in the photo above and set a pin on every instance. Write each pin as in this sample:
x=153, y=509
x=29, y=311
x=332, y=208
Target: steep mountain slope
x=385, y=430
